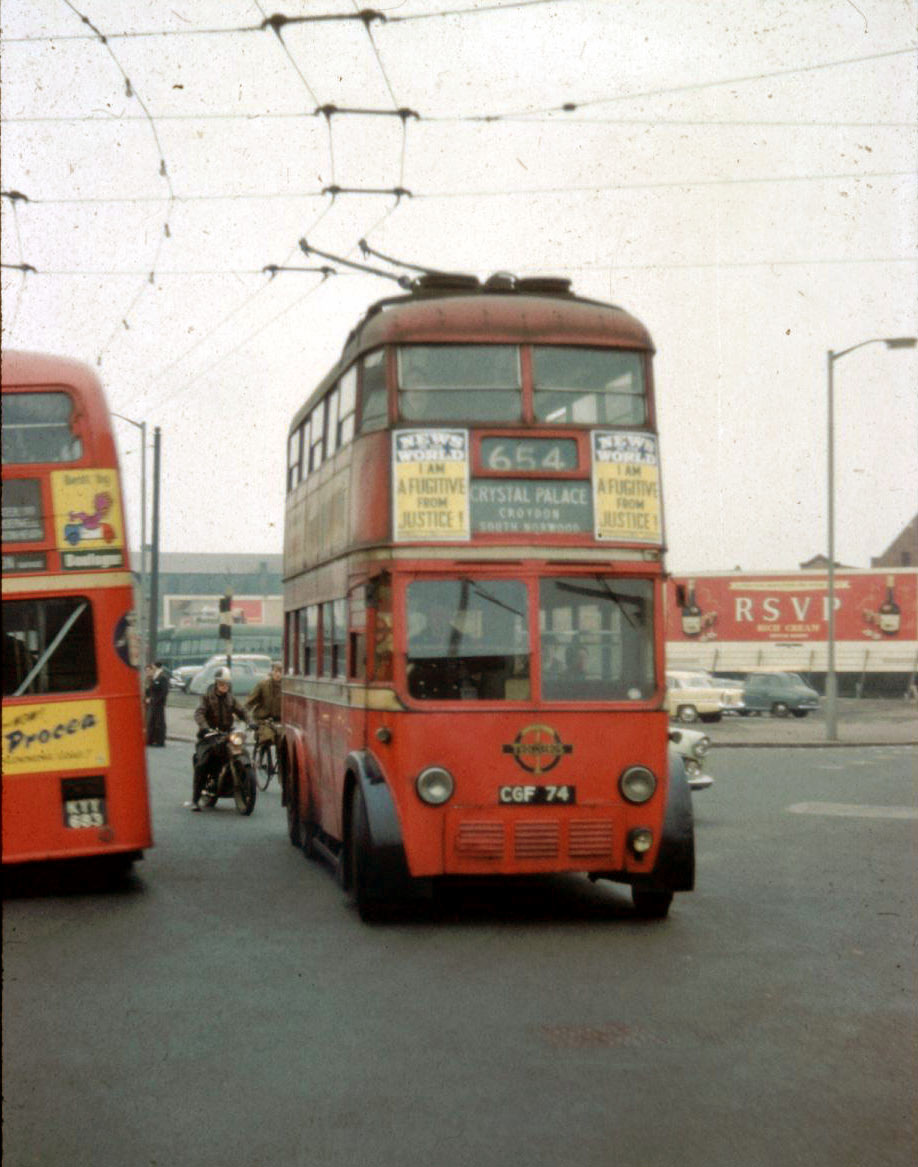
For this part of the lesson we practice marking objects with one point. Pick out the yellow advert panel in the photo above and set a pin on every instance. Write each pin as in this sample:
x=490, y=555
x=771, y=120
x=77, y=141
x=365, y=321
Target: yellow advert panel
x=65, y=735
x=626, y=487
x=88, y=524
x=430, y=489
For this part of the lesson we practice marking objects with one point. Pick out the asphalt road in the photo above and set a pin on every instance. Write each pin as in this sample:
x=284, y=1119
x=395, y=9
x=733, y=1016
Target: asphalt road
x=227, y=1007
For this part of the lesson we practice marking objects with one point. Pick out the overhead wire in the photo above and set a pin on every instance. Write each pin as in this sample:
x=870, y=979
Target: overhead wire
x=279, y=20
x=198, y=376
x=131, y=92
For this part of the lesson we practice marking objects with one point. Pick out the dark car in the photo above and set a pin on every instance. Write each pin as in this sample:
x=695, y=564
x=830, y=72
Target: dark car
x=779, y=694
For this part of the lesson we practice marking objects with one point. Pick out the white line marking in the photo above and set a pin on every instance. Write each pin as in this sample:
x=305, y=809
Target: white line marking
x=850, y=810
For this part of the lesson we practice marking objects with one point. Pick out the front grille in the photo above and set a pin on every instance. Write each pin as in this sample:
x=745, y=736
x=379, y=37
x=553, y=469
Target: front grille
x=589, y=838
x=480, y=840
x=537, y=840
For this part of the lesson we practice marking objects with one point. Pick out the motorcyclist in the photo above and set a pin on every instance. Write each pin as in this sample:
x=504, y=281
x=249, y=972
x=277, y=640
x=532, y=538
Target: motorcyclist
x=265, y=703
x=214, y=715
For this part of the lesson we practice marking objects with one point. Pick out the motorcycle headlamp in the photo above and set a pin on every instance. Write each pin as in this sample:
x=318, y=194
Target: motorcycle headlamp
x=237, y=738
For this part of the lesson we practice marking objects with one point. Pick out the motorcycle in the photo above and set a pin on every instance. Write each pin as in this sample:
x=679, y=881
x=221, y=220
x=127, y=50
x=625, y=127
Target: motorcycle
x=234, y=775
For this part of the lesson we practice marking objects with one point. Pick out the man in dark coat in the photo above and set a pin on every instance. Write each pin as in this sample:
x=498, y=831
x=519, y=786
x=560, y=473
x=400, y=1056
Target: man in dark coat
x=157, y=690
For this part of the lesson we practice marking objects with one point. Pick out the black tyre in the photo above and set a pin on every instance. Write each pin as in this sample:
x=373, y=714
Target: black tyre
x=292, y=806
x=687, y=713
x=264, y=764
x=801, y=712
x=360, y=844
x=244, y=786
x=650, y=903
x=779, y=709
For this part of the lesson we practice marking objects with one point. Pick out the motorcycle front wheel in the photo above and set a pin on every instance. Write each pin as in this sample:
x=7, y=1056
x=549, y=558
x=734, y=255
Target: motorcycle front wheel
x=244, y=788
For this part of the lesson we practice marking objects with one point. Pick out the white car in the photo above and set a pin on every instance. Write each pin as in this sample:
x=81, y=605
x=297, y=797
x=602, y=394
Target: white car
x=692, y=745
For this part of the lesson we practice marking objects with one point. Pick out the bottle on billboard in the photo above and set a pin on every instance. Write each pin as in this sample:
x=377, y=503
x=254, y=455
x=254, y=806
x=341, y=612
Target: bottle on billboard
x=691, y=613
x=890, y=615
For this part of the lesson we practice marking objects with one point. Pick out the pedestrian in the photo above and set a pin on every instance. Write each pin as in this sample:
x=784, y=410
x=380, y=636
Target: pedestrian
x=155, y=694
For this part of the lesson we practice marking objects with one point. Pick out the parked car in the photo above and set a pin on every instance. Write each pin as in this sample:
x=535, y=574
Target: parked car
x=246, y=675
x=779, y=694
x=181, y=677
x=692, y=745
x=690, y=696
x=733, y=689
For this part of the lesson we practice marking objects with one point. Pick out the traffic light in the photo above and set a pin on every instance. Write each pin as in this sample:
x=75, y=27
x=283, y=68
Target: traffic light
x=226, y=616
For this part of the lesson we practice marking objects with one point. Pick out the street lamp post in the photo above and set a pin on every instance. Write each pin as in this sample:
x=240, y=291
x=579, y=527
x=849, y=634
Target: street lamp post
x=831, y=677
x=142, y=426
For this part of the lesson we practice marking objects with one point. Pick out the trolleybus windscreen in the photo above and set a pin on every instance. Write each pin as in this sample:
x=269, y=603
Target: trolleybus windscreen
x=597, y=638
x=468, y=640
x=588, y=386
x=459, y=382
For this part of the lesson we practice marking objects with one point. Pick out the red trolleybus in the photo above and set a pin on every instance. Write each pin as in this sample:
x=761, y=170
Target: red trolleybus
x=74, y=774
x=473, y=600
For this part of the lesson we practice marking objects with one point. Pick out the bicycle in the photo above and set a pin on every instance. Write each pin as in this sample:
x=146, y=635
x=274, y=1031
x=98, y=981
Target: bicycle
x=265, y=756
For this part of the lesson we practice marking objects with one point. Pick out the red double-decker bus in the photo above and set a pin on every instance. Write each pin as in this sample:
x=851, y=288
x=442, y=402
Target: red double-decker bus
x=74, y=774
x=473, y=599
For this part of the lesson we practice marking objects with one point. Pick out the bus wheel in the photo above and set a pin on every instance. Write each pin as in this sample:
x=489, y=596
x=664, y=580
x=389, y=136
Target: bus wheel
x=358, y=857
x=651, y=903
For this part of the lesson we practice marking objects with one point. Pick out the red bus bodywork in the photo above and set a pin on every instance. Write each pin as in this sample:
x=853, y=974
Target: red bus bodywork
x=74, y=771
x=536, y=770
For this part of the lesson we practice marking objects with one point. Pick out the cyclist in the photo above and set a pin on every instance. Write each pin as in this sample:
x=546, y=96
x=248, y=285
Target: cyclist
x=265, y=704
x=215, y=714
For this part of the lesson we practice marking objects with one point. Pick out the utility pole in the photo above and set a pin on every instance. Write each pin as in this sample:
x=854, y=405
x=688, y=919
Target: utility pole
x=153, y=624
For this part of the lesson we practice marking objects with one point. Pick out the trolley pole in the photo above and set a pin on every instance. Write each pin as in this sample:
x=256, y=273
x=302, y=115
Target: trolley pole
x=153, y=624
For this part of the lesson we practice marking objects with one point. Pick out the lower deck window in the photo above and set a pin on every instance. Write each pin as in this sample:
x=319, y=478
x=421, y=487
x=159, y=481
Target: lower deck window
x=48, y=646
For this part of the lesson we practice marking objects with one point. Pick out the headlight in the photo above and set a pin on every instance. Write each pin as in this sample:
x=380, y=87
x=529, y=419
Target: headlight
x=702, y=746
x=640, y=840
x=435, y=785
x=237, y=738
x=637, y=784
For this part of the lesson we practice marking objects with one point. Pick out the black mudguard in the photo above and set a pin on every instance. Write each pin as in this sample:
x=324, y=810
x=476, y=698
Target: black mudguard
x=675, y=866
x=388, y=867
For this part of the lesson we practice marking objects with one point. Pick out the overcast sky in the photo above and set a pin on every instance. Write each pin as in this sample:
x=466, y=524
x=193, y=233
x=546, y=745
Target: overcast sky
x=740, y=174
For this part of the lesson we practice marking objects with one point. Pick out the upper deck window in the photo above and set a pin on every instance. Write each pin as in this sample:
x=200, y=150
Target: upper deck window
x=374, y=404
x=459, y=382
x=588, y=386
x=38, y=427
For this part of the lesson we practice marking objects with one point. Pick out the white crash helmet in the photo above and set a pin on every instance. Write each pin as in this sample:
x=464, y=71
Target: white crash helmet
x=223, y=675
